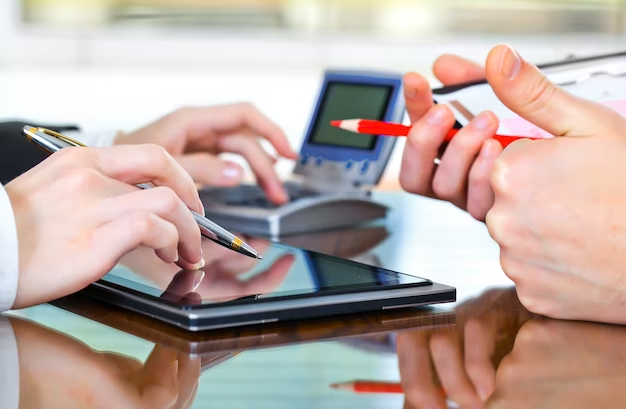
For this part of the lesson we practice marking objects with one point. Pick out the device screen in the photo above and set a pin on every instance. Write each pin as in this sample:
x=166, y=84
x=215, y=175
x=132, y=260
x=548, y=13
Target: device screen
x=231, y=277
x=349, y=101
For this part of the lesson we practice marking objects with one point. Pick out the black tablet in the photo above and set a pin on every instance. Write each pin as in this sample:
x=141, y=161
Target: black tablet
x=234, y=290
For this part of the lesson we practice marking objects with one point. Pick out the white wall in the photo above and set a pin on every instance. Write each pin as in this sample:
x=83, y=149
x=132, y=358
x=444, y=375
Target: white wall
x=122, y=78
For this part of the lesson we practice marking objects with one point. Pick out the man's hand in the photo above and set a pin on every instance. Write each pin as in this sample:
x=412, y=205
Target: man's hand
x=462, y=175
x=559, y=202
x=77, y=213
x=197, y=136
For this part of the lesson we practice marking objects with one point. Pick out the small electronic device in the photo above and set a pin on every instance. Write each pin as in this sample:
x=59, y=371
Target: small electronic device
x=331, y=182
x=288, y=284
x=599, y=78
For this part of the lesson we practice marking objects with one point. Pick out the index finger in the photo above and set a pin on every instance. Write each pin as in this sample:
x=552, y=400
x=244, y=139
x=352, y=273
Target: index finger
x=238, y=117
x=253, y=119
x=452, y=70
x=136, y=164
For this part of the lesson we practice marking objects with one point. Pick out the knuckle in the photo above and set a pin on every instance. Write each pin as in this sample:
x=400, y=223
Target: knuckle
x=539, y=94
x=500, y=176
x=507, y=373
x=445, y=189
x=141, y=222
x=247, y=106
x=498, y=226
x=74, y=154
x=479, y=179
x=158, y=157
x=168, y=201
x=80, y=179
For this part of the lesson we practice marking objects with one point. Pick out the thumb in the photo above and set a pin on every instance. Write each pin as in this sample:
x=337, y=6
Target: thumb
x=207, y=169
x=525, y=90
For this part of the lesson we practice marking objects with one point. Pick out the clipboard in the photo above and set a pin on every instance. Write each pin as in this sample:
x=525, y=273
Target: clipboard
x=599, y=78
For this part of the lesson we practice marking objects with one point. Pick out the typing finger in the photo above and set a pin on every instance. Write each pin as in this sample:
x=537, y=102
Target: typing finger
x=451, y=179
x=421, y=149
x=253, y=119
x=260, y=163
x=417, y=95
x=208, y=169
x=164, y=203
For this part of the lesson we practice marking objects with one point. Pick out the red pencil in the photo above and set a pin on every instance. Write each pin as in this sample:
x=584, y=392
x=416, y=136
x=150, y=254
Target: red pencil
x=369, y=127
x=369, y=387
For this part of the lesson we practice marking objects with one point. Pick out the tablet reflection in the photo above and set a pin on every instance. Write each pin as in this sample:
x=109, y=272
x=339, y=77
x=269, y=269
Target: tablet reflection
x=228, y=275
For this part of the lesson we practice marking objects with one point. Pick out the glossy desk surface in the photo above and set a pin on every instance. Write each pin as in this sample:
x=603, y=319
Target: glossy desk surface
x=97, y=356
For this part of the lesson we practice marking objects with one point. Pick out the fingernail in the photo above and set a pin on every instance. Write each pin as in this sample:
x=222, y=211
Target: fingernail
x=436, y=116
x=510, y=63
x=176, y=257
x=201, y=207
x=482, y=121
x=200, y=264
x=231, y=172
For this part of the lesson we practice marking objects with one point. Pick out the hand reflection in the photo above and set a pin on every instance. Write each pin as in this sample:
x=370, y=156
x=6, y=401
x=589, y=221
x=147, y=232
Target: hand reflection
x=559, y=364
x=460, y=361
x=219, y=284
x=221, y=278
x=57, y=371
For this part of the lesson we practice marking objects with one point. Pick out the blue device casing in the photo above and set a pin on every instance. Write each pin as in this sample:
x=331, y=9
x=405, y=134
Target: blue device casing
x=345, y=165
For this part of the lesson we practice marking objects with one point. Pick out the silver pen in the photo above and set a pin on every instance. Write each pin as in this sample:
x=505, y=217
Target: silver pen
x=53, y=141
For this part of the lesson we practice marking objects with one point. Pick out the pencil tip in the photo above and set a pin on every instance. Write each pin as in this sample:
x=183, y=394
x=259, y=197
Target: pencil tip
x=335, y=123
x=334, y=385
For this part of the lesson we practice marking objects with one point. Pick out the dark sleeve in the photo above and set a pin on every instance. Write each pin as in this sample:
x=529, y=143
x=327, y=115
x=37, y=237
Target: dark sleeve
x=17, y=154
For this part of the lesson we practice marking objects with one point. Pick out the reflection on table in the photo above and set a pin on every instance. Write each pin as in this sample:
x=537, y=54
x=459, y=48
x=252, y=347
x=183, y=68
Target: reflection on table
x=486, y=344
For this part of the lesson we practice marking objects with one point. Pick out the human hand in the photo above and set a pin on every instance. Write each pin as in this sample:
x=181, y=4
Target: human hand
x=558, y=212
x=196, y=136
x=460, y=363
x=78, y=212
x=57, y=371
x=462, y=175
x=563, y=364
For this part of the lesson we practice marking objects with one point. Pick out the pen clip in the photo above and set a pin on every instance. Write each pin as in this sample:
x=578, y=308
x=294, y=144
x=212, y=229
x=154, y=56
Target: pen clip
x=57, y=135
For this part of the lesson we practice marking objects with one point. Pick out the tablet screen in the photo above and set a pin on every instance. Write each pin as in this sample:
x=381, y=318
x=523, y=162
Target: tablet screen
x=285, y=271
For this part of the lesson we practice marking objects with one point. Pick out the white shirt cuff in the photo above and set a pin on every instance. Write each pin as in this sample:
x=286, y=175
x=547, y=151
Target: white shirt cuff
x=9, y=367
x=9, y=254
x=94, y=139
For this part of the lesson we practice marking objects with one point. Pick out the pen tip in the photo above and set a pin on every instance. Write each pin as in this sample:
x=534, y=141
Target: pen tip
x=260, y=257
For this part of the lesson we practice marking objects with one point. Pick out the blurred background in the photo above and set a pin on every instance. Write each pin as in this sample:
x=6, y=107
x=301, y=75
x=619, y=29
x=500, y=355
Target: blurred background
x=117, y=64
